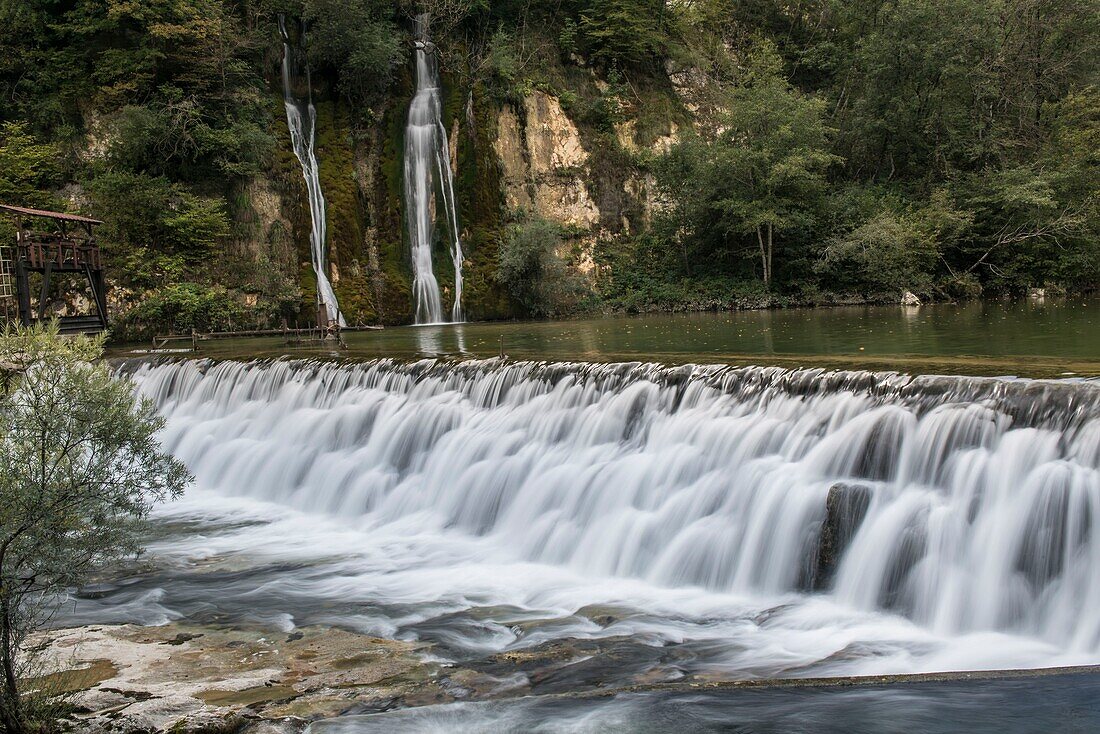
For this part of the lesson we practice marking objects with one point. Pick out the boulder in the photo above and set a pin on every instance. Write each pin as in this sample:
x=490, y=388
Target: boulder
x=845, y=508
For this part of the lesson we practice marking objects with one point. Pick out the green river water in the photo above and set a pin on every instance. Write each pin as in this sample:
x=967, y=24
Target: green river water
x=1031, y=338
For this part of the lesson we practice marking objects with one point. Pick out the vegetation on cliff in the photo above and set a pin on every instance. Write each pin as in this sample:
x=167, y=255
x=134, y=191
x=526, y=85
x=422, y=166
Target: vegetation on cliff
x=738, y=153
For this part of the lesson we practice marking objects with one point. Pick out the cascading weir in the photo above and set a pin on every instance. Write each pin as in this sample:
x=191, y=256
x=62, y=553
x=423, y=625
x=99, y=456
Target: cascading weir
x=301, y=119
x=429, y=185
x=963, y=504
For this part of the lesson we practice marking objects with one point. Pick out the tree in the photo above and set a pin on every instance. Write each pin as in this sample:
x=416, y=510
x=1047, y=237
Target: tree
x=533, y=271
x=358, y=39
x=762, y=172
x=917, y=86
x=80, y=468
x=154, y=227
x=885, y=244
x=27, y=167
x=624, y=32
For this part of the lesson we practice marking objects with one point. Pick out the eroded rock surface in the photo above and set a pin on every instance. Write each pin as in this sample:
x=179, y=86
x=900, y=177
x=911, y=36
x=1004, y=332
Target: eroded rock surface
x=186, y=678
x=543, y=162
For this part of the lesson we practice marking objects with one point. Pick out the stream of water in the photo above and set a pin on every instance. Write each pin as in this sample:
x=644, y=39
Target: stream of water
x=575, y=528
x=301, y=119
x=429, y=183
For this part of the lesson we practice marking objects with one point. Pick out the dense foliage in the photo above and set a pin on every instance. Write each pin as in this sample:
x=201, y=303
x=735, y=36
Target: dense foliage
x=80, y=468
x=824, y=150
x=922, y=146
x=533, y=268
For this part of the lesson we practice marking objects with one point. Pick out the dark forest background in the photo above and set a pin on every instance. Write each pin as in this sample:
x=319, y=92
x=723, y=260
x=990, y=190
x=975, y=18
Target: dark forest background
x=839, y=150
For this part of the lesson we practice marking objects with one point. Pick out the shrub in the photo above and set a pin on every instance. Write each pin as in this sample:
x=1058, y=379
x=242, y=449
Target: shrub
x=532, y=269
x=182, y=307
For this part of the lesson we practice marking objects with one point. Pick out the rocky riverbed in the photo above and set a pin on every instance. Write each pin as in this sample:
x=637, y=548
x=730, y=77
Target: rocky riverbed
x=190, y=679
x=186, y=678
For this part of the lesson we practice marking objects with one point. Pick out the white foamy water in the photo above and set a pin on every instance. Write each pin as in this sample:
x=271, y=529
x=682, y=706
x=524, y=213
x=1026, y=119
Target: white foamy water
x=429, y=183
x=301, y=120
x=772, y=522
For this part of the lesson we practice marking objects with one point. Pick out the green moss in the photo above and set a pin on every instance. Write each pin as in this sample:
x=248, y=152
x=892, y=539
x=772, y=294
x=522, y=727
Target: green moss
x=356, y=296
x=481, y=201
x=336, y=157
x=307, y=280
x=395, y=278
x=76, y=679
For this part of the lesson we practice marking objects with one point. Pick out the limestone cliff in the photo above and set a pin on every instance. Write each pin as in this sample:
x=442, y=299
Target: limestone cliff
x=544, y=163
x=538, y=153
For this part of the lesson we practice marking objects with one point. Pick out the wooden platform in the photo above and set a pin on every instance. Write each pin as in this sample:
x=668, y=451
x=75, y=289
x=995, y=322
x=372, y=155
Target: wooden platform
x=69, y=246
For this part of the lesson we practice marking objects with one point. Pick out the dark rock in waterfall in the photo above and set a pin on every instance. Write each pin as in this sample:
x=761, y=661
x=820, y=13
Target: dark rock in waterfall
x=897, y=593
x=845, y=508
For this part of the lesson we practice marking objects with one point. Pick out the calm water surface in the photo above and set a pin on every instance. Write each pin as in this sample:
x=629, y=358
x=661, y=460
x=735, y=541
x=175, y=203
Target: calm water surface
x=1038, y=338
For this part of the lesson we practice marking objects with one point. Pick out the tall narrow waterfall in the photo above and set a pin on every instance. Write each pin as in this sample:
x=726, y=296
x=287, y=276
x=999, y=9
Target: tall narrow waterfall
x=428, y=176
x=301, y=117
x=951, y=506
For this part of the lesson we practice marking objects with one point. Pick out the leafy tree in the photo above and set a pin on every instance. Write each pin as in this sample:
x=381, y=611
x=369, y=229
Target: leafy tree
x=897, y=246
x=80, y=468
x=358, y=39
x=532, y=269
x=181, y=307
x=174, y=137
x=1045, y=50
x=624, y=32
x=28, y=168
x=156, y=228
x=761, y=174
x=889, y=252
x=193, y=67
x=1021, y=223
x=1072, y=154
x=917, y=82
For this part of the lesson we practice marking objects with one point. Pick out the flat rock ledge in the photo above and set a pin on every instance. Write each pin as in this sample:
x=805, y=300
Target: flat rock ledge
x=186, y=678
x=190, y=679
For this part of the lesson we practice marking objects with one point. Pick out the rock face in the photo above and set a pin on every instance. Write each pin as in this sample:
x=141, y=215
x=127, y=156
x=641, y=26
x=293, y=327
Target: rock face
x=553, y=142
x=510, y=149
x=543, y=163
x=184, y=678
x=845, y=508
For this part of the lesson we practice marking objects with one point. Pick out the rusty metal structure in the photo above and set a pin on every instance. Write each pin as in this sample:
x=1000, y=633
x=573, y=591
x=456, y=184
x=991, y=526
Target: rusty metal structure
x=68, y=245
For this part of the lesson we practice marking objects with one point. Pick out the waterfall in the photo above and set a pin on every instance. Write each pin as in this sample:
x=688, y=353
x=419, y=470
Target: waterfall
x=428, y=174
x=965, y=505
x=301, y=118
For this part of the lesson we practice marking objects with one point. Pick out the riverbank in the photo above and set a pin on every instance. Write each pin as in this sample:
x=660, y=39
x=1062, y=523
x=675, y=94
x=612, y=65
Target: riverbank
x=193, y=678
x=204, y=679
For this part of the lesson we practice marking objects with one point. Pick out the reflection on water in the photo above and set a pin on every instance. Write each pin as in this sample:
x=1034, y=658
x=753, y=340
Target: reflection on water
x=1055, y=703
x=435, y=340
x=429, y=341
x=1047, y=338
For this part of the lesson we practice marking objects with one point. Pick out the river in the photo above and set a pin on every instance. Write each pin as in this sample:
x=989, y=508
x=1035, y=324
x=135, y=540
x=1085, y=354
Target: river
x=1032, y=338
x=635, y=510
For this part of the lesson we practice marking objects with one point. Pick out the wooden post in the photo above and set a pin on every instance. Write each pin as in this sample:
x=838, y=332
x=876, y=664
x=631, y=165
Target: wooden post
x=23, y=291
x=45, y=292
